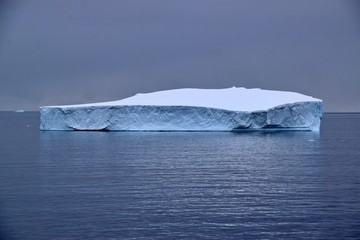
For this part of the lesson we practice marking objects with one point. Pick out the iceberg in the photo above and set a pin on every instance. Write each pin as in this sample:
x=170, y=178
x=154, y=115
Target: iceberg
x=189, y=109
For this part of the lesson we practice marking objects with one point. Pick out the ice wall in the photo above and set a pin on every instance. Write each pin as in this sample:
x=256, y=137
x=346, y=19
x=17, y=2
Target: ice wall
x=292, y=116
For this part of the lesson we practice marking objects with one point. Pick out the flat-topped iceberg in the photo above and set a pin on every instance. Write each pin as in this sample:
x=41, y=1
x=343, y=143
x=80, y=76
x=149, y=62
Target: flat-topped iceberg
x=191, y=109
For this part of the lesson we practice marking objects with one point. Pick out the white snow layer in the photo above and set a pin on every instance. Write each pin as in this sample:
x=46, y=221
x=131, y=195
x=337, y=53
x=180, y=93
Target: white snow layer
x=191, y=110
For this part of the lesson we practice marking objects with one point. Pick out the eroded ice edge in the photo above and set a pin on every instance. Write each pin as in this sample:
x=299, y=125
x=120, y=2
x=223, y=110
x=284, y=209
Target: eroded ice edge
x=191, y=110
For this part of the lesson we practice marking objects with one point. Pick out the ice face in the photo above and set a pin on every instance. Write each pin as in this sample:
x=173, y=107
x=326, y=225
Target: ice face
x=180, y=110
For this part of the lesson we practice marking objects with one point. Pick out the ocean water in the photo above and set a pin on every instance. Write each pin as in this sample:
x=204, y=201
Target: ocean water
x=173, y=185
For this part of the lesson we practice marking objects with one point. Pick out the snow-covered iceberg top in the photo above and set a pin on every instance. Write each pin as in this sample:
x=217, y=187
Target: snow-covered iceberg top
x=233, y=99
x=229, y=109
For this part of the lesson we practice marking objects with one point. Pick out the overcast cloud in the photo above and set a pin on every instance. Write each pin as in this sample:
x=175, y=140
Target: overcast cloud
x=79, y=51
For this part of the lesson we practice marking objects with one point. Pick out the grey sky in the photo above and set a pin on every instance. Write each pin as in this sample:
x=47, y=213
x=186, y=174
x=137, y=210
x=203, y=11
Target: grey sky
x=79, y=51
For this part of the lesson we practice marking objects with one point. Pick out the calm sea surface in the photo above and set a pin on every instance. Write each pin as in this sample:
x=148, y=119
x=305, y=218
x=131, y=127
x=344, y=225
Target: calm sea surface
x=118, y=185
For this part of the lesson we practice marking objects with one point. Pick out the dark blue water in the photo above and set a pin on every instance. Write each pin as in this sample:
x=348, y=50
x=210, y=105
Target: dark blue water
x=116, y=185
